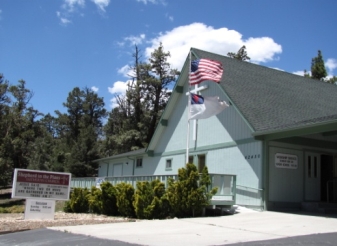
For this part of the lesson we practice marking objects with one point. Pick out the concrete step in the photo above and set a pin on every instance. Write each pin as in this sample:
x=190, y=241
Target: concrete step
x=319, y=207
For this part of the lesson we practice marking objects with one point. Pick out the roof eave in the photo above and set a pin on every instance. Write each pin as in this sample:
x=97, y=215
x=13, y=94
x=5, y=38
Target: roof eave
x=301, y=130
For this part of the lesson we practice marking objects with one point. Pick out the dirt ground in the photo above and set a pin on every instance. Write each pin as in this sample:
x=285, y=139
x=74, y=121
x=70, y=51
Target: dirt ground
x=13, y=222
x=16, y=222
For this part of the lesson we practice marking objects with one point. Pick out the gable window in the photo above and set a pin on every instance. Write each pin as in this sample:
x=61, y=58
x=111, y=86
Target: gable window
x=168, y=164
x=139, y=162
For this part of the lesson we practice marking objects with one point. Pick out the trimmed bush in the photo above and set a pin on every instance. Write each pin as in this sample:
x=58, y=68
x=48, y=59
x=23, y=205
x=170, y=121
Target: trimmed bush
x=78, y=202
x=125, y=196
x=109, y=199
x=150, y=202
x=95, y=200
x=189, y=194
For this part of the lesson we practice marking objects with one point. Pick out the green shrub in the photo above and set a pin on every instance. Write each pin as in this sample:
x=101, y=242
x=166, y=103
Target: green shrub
x=189, y=194
x=67, y=208
x=150, y=201
x=12, y=209
x=78, y=202
x=109, y=200
x=125, y=196
x=95, y=200
x=143, y=199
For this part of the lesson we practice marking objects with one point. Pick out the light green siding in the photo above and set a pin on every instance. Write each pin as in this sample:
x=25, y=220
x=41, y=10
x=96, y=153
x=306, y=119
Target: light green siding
x=224, y=139
x=286, y=185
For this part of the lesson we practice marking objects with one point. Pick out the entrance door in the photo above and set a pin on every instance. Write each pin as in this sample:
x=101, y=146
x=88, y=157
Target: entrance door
x=118, y=170
x=312, y=176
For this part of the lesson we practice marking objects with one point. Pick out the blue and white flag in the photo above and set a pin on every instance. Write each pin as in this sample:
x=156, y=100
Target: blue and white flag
x=205, y=107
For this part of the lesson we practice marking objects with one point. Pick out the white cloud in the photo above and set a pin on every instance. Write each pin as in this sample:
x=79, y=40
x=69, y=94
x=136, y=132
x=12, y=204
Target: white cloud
x=262, y=49
x=170, y=17
x=126, y=71
x=71, y=5
x=63, y=20
x=94, y=88
x=101, y=4
x=68, y=8
x=221, y=41
x=118, y=88
x=301, y=73
x=134, y=40
x=331, y=64
x=152, y=1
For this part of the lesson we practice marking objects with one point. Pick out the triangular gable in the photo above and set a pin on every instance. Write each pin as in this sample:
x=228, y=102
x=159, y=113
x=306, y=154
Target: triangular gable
x=268, y=100
x=178, y=91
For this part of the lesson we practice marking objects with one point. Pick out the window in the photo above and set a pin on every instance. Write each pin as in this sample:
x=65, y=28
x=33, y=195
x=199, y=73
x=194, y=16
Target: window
x=139, y=162
x=168, y=164
x=201, y=162
x=190, y=159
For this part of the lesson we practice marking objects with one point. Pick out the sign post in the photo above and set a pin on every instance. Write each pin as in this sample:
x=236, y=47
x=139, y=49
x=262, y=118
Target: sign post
x=41, y=189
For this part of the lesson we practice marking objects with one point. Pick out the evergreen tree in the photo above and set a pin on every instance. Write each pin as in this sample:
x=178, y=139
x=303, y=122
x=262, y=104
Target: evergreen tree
x=78, y=132
x=19, y=128
x=189, y=194
x=318, y=70
x=240, y=55
x=132, y=123
x=332, y=80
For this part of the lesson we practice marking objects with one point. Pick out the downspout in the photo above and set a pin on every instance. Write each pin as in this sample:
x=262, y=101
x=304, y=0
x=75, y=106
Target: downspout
x=265, y=175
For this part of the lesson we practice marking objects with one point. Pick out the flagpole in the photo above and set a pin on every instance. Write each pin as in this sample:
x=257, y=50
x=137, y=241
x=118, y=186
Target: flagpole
x=188, y=111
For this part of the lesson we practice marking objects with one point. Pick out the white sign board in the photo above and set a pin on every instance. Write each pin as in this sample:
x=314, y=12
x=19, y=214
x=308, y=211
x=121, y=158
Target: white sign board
x=286, y=161
x=39, y=209
x=41, y=184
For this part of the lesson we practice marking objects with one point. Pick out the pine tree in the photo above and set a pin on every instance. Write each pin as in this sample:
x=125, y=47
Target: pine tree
x=318, y=70
x=240, y=55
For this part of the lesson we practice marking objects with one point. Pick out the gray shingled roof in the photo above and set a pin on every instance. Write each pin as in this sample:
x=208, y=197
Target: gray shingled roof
x=273, y=100
x=134, y=153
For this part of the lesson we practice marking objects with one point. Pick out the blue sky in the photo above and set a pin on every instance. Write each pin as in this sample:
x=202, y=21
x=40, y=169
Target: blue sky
x=61, y=44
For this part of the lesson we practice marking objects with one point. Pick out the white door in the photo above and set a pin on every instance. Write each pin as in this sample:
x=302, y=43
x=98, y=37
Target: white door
x=118, y=170
x=312, y=176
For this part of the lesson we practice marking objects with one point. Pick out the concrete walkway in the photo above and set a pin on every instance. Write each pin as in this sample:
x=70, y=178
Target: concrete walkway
x=244, y=226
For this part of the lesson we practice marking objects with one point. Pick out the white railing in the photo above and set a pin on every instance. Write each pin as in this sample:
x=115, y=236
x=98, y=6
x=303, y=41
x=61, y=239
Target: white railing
x=226, y=183
x=249, y=196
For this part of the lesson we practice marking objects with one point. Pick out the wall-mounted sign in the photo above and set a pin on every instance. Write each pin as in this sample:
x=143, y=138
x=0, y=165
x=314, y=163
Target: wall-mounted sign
x=41, y=184
x=286, y=161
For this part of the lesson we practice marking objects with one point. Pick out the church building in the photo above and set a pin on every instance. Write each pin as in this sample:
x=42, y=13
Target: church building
x=276, y=141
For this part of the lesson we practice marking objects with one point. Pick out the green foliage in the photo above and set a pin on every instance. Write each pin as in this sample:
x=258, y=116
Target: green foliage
x=188, y=195
x=332, y=80
x=132, y=123
x=318, y=70
x=78, y=202
x=13, y=209
x=125, y=196
x=240, y=55
x=109, y=199
x=95, y=200
x=8, y=205
x=150, y=201
x=205, y=182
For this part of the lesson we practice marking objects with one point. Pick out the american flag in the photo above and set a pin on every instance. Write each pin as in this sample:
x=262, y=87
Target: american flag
x=205, y=69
